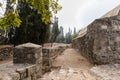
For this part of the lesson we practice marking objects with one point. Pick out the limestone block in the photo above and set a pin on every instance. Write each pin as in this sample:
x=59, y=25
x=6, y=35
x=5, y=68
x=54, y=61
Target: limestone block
x=27, y=53
x=9, y=76
x=22, y=72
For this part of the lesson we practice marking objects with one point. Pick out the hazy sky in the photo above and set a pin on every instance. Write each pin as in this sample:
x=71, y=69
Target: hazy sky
x=80, y=13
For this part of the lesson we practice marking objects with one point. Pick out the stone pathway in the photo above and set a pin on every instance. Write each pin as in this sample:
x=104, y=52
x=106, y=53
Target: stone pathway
x=70, y=66
x=107, y=72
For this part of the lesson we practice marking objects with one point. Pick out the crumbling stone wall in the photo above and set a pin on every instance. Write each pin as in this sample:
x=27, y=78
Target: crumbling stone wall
x=10, y=71
x=49, y=54
x=30, y=61
x=29, y=54
x=6, y=51
x=26, y=65
x=101, y=42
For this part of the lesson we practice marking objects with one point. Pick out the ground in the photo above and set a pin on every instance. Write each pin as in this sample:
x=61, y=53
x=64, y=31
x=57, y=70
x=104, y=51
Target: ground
x=10, y=58
x=70, y=65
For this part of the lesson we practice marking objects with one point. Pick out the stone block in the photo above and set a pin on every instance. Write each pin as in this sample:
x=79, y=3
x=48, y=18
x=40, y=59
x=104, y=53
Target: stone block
x=22, y=72
x=27, y=53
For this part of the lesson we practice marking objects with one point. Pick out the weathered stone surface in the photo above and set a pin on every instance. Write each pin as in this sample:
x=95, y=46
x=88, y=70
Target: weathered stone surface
x=10, y=71
x=107, y=72
x=30, y=62
x=113, y=12
x=101, y=41
x=27, y=53
x=6, y=51
x=31, y=54
x=22, y=72
x=9, y=76
x=49, y=54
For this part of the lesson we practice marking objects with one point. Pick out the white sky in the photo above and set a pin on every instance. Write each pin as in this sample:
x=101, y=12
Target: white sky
x=2, y=8
x=80, y=13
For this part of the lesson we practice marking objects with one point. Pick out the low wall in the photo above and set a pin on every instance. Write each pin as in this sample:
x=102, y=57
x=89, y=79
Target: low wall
x=30, y=62
x=49, y=54
x=6, y=51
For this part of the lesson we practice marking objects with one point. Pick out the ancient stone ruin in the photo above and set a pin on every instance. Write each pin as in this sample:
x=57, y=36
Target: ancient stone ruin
x=100, y=41
x=6, y=51
x=30, y=62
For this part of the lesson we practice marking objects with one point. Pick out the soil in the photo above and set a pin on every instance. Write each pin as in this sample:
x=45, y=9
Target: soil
x=10, y=58
x=70, y=65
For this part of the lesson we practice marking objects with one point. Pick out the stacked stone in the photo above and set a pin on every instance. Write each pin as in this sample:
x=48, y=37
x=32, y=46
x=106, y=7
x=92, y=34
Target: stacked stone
x=49, y=55
x=29, y=62
x=29, y=54
x=6, y=51
x=27, y=73
x=10, y=71
x=46, y=61
x=101, y=42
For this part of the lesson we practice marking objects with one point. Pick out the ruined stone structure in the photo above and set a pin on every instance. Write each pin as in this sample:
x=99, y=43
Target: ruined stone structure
x=6, y=51
x=100, y=41
x=29, y=54
x=49, y=54
x=30, y=61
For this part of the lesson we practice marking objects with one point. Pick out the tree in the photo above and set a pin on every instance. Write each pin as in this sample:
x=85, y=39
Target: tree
x=4, y=32
x=68, y=37
x=55, y=31
x=43, y=7
x=75, y=34
x=60, y=38
x=74, y=30
x=32, y=29
x=3, y=38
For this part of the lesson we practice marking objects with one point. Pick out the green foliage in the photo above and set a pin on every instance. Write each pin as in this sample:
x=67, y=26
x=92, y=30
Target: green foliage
x=75, y=34
x=55, y=31
x=68, y=37
x=32, y=29
x=60, y=37
x=46, y=8
x=10, y=19
x=13, y=1
x=0, y=4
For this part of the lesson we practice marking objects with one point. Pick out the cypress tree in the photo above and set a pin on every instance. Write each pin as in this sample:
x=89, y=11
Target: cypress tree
x=32, y=29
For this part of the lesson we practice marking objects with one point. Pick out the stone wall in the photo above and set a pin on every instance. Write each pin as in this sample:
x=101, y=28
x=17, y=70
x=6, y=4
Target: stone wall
x=6, y=51
x=10, y=71
x=30, y=62
x=26, y=65
x=29, y=54
x=101, y=41
x=49, y=54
